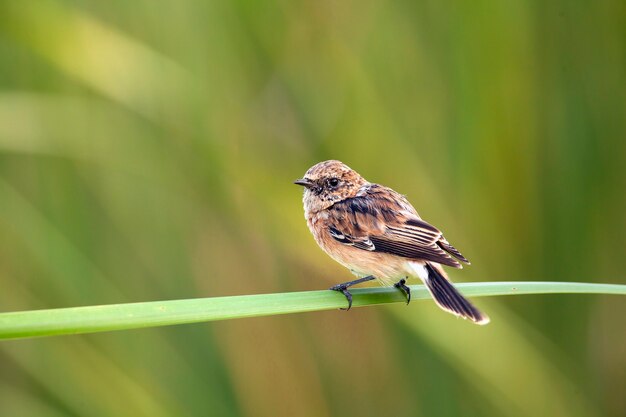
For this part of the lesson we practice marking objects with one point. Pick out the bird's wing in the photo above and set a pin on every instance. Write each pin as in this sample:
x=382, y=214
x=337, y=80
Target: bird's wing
x=381, y=220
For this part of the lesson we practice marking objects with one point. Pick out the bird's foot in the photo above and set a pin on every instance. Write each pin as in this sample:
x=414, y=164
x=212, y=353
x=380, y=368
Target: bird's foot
x=343, y=288
x=404, y=288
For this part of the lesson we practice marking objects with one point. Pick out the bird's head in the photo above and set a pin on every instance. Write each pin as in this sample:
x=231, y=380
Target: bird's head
x=328, y=182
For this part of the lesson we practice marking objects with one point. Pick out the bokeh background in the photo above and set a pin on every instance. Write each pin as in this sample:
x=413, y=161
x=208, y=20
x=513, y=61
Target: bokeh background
x=147, y=150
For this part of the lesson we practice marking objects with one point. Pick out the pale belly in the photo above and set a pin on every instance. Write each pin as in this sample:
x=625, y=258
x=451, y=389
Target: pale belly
x=388, y=269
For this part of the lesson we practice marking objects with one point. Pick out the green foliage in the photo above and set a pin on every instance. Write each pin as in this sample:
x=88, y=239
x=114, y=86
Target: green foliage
x=162, y=313
x=147, y=150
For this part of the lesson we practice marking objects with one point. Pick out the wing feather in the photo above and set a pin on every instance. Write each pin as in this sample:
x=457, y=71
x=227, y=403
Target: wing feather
x=379, y=219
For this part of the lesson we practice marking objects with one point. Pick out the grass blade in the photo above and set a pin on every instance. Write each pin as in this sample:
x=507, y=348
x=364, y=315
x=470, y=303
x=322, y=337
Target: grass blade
x=92, y=319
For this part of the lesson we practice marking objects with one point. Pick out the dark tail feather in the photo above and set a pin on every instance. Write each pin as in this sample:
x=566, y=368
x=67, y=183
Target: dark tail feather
x=449, y=299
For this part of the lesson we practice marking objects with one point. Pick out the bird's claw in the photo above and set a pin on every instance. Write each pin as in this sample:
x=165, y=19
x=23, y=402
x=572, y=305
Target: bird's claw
x=402, y=286
x=343, y=288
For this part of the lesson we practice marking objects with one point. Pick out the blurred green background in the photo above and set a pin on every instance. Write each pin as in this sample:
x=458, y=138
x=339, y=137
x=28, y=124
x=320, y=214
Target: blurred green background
x=147, y=152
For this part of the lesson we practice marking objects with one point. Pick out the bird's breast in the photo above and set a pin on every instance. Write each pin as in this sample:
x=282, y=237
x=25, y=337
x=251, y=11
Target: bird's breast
x=387, y=268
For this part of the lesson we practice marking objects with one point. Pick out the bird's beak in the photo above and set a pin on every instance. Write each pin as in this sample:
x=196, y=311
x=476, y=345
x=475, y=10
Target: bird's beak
x=304, y=182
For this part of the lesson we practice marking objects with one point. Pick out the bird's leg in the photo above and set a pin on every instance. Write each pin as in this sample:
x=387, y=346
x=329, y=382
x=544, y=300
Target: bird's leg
x=402, y=286
x=343, y=288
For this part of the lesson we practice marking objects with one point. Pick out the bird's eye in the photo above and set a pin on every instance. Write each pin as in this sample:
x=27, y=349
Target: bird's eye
x=333, y=182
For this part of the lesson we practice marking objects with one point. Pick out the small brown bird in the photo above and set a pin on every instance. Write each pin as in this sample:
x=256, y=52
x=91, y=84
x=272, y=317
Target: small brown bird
x=377, y=234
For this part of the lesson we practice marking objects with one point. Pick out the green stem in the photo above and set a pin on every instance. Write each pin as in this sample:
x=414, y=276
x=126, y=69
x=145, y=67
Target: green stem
x=91, y=319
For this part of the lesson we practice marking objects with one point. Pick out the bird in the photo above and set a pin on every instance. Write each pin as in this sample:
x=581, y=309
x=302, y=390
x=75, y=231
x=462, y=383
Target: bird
x=376, y=233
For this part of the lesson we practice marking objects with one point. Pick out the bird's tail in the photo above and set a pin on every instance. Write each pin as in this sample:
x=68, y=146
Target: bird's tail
x=447, y=297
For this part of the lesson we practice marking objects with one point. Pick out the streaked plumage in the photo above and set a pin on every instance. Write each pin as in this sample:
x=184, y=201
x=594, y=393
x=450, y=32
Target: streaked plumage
x=373, y=230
